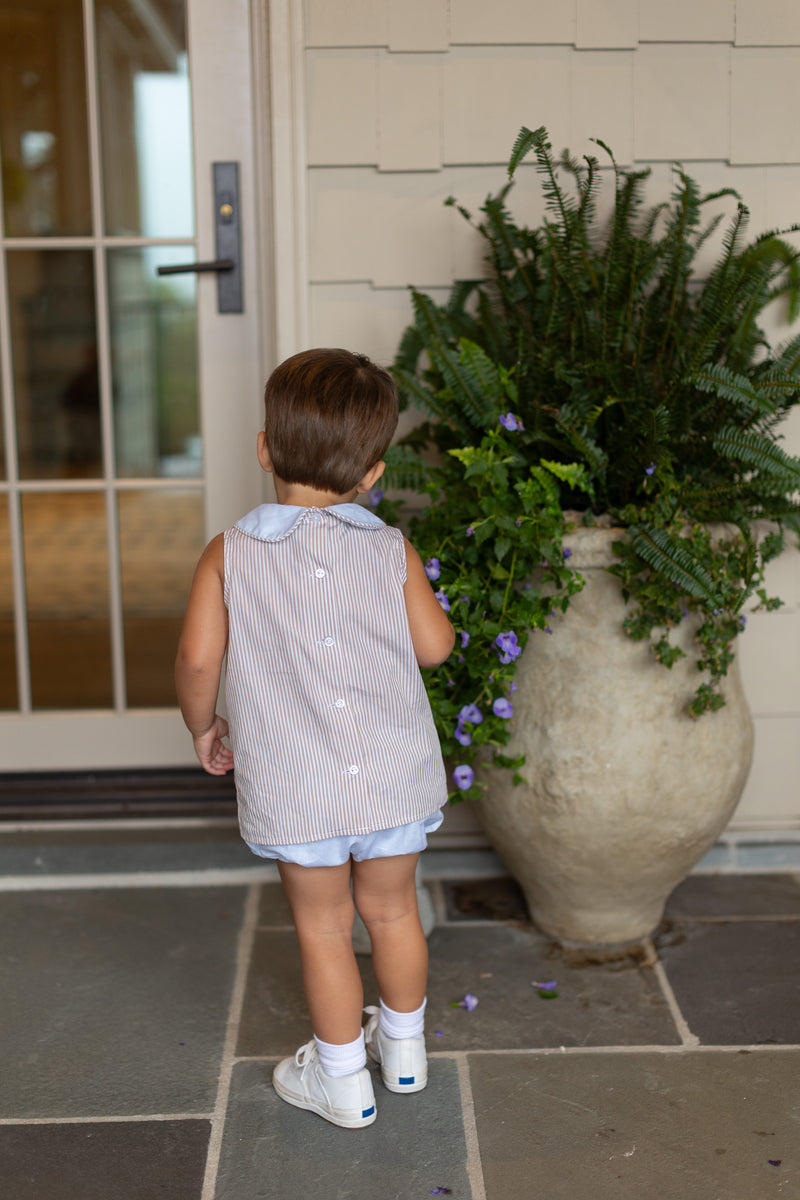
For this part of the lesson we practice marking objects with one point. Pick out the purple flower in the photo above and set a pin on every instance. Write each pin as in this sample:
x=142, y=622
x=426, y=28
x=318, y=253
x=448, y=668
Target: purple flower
x=470, y=1002
x=547, y=629
x=462, y=735
x=464, y=639
x=433, y=569
x=513, y=687
x=463, y=775
x=650, y=470
x=742, y=621
x=441, y=596
x=471, y=713
x=510, y=422
x=375, y=496
x=503, y=708
x=567, y=552
x=507, y=645
x=470, y=531
x=519, y=522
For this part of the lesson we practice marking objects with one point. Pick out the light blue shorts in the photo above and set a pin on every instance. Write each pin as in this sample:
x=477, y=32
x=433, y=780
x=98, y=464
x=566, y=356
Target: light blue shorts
x=334, y=851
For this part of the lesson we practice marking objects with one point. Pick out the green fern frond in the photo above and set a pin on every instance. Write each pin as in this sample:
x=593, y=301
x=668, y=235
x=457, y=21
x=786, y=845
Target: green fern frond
x=669, y=558
x=747, y=446
x=525, y=141
x=405, y=468
x=585, y=446
x=493, y=383
x=738, y=389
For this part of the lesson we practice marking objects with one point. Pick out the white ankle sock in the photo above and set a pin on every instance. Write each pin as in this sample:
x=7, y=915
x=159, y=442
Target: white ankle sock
x=403, y=1025
x=340, y=1060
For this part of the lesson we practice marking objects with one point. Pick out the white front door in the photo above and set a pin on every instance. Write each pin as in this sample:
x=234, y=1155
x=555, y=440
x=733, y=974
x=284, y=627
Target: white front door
x=130, y=403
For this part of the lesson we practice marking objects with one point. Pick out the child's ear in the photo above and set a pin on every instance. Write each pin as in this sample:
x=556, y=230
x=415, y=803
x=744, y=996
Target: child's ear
x=263, y=452
x=371, y=478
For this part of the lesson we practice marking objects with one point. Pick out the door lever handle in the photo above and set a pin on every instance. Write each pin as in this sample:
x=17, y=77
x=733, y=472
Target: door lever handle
x=228, y=247
x=218, y=264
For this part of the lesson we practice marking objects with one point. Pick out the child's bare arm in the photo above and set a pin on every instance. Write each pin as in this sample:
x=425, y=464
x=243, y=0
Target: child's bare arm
x=431, y=632
x=199, y=662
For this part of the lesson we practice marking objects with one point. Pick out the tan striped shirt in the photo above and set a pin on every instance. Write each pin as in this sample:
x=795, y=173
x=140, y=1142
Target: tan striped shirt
x=331, y=727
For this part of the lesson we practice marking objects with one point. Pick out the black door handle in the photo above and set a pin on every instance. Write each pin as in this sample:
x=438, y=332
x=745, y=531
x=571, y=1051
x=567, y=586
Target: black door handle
x=219, y=264
x=228, y=248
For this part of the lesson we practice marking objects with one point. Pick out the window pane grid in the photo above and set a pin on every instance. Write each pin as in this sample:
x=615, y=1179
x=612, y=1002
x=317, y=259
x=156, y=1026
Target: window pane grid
x=96, y=501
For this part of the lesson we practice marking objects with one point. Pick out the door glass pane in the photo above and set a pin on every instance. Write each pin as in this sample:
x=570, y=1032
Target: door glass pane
x=2, y=426
x=54, y=347
x=66, y=561
x=161, y=539
x=43, y=124
x=8, y=667
x=154, y=364
x=145, y=120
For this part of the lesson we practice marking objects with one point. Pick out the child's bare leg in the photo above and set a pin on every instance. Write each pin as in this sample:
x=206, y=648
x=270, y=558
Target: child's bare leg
x=322, y=907
x=385, y=895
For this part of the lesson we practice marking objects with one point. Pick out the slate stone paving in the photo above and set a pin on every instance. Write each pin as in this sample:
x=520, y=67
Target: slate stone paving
x=141, y=1020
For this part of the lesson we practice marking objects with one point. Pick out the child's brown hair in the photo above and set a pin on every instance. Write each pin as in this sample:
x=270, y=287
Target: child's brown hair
x=330, y=416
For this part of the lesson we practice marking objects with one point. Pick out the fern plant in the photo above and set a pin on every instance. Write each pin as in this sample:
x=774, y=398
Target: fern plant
x=592, y=368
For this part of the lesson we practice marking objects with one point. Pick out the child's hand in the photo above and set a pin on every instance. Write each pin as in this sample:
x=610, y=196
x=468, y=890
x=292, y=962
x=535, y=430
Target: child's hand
x=215, y=758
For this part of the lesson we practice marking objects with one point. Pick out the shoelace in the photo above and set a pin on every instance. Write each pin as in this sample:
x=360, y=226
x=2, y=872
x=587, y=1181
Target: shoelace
x=305, y=1056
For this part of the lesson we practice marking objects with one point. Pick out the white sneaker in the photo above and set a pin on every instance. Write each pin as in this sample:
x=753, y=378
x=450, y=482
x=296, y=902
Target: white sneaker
x=348, y=1102
x=404, y=1063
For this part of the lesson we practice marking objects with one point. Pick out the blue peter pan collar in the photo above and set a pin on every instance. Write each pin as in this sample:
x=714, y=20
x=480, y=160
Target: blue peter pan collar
x=272, y=522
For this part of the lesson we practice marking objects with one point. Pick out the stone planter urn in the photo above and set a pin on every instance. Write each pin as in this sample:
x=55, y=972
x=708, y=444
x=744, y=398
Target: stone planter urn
x=625, y=791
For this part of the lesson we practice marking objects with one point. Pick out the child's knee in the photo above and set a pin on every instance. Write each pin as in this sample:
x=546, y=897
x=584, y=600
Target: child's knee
x=376, y=910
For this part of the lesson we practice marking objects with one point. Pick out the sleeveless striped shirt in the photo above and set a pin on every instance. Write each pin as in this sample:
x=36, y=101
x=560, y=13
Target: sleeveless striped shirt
x=331, y=727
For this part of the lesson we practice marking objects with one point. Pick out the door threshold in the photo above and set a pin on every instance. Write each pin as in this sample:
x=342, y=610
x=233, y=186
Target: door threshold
x=184, y=792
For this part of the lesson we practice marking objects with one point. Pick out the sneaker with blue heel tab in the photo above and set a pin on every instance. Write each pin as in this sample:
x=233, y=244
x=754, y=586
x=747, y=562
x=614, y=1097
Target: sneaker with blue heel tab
x=348, y=1102
x=403, y=1061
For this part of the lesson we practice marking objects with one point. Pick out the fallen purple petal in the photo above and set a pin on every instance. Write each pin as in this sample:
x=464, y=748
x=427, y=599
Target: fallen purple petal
x=440, y=1191
x=774, y=1162
x=545, y=987
x=469, y=1002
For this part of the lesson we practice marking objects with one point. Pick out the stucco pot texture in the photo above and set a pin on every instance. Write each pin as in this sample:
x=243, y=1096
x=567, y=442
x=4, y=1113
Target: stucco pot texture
x=625, y=792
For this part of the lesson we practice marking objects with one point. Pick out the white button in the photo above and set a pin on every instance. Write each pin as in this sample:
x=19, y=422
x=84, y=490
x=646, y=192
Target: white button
x=339, y=704
x=320, y=574
x=328, y=641
x=353, y=770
